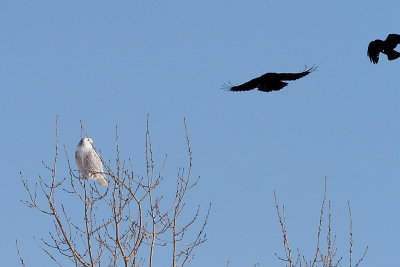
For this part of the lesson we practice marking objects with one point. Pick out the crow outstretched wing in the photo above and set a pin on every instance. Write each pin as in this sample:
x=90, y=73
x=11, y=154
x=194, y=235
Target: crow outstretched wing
x=250, y=85
x=294, y=76
x=393, y=40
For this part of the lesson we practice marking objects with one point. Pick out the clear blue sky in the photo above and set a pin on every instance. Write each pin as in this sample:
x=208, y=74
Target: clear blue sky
x=111, y=63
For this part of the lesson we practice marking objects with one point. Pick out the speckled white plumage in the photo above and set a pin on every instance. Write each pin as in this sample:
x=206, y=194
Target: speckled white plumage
x=89, y=162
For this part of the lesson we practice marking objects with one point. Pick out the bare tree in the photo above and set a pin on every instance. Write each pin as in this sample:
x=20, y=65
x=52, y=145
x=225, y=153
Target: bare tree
x=127, y=223
x=326, y=252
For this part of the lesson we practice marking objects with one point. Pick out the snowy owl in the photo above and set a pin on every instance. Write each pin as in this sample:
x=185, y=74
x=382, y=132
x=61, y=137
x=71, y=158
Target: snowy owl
x=89, y=163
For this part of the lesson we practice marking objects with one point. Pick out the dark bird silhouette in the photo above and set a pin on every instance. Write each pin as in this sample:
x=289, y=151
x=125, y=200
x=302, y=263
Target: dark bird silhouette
x=386, y=47
x=269, y=81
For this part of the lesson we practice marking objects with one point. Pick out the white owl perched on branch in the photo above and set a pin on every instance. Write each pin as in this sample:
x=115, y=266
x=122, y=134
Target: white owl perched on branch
x=89, y=162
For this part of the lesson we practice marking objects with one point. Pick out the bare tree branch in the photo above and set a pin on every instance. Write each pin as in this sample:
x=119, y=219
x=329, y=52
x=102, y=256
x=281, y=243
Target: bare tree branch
x=123, y=224
x=19, y=255
x=328, y=258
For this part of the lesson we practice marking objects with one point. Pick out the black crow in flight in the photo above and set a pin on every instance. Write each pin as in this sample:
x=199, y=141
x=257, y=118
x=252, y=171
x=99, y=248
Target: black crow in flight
x=387, y=47
x=269, y=81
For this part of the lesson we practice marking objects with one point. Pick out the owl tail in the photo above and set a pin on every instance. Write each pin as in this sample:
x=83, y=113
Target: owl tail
x=101, y=180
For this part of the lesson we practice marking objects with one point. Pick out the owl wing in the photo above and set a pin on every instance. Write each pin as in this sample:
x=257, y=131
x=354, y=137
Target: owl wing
x=94, y=167
x=79, y=162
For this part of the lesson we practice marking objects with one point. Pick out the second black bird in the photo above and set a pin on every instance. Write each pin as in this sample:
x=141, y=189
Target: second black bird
x=386, y=47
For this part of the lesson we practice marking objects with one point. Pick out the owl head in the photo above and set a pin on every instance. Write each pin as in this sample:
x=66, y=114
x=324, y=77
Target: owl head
x=86, y=142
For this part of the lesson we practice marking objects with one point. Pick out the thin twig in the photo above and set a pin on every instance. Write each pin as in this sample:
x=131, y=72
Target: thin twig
x=19, y=255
